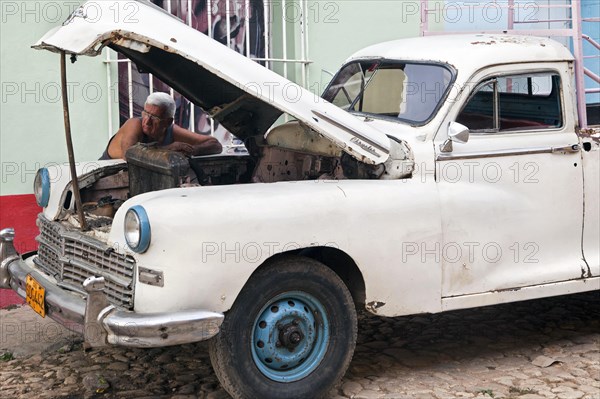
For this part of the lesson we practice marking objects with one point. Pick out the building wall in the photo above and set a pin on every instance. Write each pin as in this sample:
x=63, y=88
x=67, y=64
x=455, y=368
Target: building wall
x=32, y=125
x=31, y=117
x=337, y=29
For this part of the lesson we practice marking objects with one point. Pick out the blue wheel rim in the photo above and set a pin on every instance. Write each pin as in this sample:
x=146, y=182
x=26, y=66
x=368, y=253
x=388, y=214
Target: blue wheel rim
x=290, y=336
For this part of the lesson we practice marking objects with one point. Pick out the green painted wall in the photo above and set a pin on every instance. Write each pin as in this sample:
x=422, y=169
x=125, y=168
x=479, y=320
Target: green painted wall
x=339, y=28
x=31, y=118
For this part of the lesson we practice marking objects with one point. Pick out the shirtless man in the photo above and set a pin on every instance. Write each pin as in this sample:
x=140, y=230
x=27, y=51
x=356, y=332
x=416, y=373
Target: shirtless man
x=156, y=125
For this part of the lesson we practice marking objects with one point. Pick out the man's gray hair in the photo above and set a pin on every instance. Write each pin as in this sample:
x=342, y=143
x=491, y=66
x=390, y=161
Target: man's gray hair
x=164, y=101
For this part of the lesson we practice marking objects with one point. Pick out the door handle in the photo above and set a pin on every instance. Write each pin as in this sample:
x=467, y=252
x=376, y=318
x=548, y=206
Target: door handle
x=568, y=148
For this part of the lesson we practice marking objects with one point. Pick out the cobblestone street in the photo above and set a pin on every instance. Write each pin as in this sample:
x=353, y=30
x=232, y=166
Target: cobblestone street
x=547, y=348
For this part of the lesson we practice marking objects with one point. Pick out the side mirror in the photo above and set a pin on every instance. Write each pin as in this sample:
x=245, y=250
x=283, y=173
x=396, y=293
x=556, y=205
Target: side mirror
x=457, y=133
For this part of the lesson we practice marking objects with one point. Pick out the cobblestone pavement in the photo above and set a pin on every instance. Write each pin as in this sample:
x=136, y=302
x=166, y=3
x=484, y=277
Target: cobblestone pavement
x=547, y=348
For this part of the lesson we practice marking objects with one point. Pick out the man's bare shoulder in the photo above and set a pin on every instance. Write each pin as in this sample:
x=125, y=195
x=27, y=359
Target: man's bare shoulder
x=132, y=126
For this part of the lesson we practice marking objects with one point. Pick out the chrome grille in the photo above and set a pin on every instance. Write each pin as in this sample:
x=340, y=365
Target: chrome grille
x=71, y=257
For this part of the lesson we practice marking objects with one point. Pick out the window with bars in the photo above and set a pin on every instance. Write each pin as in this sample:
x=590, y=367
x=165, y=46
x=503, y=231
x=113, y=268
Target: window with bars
x=246, y=26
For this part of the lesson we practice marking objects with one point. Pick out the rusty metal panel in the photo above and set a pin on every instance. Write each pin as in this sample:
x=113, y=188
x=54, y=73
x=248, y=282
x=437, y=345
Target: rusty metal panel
x=152, y=169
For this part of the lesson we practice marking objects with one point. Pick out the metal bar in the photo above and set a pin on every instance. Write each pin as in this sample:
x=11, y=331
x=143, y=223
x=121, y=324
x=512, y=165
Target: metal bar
x=511, y=14
x=284, y=37
x=209, y=17
x=424, y=18
x=281, y=60
x=247, y=26
x=591, y=91
x=307, y=42
x=266, y=17
x=189, y=12
x=192, y=121
x=228, y=22
x=592, y=75
x=284, y=44
x=303, y=43
x=65, y=101
x=496, y=106
x=486, y=4
x=579, y=68
x=109, y=97
x=130, y=88
x=505, y=153
x=591, y=41
x=210, y=34
x=537, y=21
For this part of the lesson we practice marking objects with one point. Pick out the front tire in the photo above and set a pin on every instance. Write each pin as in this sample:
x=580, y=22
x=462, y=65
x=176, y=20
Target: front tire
x=291, y=333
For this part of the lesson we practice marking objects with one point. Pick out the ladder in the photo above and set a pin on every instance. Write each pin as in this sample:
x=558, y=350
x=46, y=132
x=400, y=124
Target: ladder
x=571, y=20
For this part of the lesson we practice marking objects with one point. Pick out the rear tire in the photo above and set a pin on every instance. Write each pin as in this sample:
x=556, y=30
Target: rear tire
x=291, y=333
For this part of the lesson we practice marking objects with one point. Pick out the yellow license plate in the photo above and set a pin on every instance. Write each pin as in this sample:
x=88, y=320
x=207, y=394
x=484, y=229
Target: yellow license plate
x=35, y=295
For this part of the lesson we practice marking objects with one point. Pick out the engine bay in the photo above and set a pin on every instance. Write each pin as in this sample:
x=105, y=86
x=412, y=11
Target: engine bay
x=290, y=152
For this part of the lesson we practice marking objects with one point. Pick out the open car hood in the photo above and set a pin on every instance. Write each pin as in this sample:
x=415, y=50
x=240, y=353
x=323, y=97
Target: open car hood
x=241, y=94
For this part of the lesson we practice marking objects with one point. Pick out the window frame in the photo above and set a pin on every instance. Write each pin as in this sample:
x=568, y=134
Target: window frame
x=496, y=102
x=434, y=112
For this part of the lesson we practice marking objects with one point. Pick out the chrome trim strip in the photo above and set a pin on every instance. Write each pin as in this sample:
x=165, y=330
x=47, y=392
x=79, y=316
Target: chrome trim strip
x=153, y=330
x=352, y=131
x=505, y=153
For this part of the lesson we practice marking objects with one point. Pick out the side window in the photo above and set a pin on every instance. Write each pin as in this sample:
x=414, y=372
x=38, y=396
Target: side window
x=514, y=103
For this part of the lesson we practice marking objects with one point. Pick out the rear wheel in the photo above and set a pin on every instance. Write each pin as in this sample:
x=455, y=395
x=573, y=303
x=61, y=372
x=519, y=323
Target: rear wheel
x=290, y=333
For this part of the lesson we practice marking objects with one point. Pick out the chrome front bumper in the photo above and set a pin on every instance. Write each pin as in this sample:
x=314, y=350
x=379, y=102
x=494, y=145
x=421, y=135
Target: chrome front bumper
x=101, y=323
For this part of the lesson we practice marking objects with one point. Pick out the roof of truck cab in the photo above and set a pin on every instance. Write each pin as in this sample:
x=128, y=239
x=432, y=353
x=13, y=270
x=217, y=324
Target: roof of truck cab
x=469, y=51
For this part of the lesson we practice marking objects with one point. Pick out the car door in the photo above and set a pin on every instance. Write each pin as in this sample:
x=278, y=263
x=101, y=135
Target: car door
x=591, y=184
x=511, y=196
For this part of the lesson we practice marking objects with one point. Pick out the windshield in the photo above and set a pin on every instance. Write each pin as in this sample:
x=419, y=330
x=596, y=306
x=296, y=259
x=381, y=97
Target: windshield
x=408, y=92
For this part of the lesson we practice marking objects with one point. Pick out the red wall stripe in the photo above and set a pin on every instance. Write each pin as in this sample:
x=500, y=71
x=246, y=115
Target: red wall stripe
x=19, y=212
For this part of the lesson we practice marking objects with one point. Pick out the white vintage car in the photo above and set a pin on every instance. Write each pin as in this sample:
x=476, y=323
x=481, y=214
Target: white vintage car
x=435, y=173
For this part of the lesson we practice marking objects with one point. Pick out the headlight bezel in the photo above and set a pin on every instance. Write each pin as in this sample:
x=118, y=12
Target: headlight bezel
x=136, y=229
x=41, y=187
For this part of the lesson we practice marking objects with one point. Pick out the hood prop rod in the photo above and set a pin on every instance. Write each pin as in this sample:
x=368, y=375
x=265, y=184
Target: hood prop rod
x=65, y=101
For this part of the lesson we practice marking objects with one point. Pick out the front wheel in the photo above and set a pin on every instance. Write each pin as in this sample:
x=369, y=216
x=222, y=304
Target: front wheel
x=290, y=333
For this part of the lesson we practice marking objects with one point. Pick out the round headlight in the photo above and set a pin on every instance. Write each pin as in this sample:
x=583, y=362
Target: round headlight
x=137, y=229
x=41, y=187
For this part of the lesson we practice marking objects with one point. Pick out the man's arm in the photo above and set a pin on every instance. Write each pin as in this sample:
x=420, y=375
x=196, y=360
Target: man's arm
x=200, y=144
x=129, y=134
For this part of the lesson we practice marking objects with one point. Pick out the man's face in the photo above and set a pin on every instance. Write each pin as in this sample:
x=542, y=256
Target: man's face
x=155, y=122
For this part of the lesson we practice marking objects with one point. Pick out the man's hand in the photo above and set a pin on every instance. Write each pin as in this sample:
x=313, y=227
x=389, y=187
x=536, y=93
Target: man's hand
x=202, y=145
x=184, y=148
